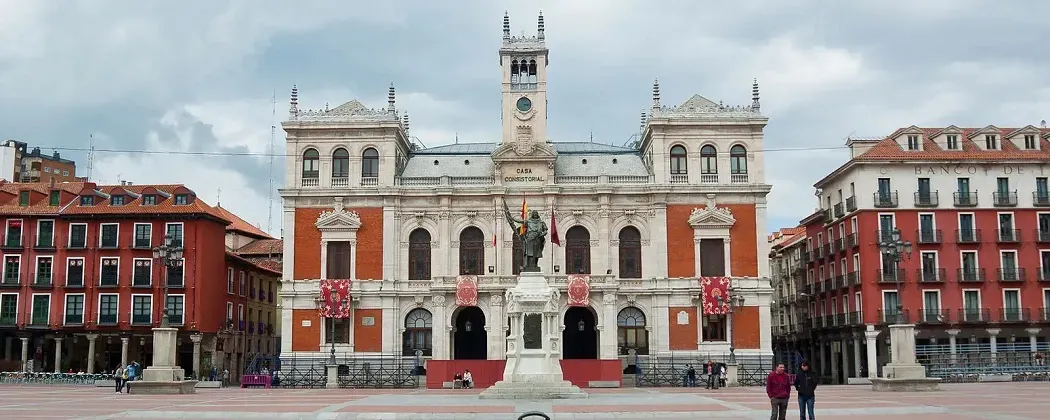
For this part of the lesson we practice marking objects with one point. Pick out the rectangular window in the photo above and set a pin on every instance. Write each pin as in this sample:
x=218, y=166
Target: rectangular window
x=927, y=231
x=890, y=303
x=991, y=142
x=23, y=198
x=953, y=142
x=229, y=315
x=886, y=227
x=107, y=237
x=1012, y=305
x=175, y=309
x=143, y=235
x=229, y=281
x=41, y=315
x=242, y=285
x=1042, y=189
x=74, y=309
x=74, y=272
x=142, y=274
x=338, y=260
x=116, y=200
x=714, y=328
x=141, y=309
x=87, y=200
x=176, y=274
x=109, y=274
x=1006, y=227
x=77, y=235
x=1044, y=266
x=45, y=234
x=884, y=188
x=14, y=234
x=149, y=200
x=1029, y=141
x=929, y=266
x=44, y=269
x=54, y=199
x=971, y=302
x=107, y=308
x=181, y=199
x=341, y=328
x=913, y=142
x=175, y=230
x=924, y=189
x=1002, y=185
x=931, y=302
x=240, y=317
x=12, y=269
x=8, y=309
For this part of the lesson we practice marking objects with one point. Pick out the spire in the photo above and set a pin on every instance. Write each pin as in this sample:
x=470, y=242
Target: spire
x=293, y=108
x=506, y=25
x=656, y=93
x=641, y=127
x=404, y=122
x=390, y=98
x=539, y=27
x=755, y=106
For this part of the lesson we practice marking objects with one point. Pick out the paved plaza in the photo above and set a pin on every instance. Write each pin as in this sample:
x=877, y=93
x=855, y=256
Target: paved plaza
x=955, y=401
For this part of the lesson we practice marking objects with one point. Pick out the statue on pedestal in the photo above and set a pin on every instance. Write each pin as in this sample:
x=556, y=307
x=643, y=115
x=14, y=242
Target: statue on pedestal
x=533, y=239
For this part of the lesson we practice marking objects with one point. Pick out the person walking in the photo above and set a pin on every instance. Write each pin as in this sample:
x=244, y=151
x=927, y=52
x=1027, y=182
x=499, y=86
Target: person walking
x=806, y=385
x=119, y=377
x=778, y=389
x=690, y=376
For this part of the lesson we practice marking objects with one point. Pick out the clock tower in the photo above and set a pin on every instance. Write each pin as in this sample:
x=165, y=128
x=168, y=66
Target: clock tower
x=524, y=65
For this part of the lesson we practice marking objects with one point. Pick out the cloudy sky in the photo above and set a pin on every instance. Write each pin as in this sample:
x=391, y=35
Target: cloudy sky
x=180, y=91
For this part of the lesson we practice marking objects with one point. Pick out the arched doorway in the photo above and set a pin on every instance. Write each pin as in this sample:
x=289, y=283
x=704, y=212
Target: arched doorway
x=469, y=336
x=580, y=337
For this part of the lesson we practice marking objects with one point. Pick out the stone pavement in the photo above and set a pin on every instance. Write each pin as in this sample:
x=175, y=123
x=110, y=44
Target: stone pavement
x=1011, y=401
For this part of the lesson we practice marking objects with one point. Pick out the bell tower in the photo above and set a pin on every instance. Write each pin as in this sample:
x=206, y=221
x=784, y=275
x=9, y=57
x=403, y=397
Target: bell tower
x=523, y=60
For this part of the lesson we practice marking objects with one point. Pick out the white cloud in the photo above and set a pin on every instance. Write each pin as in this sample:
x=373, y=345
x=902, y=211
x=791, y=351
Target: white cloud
x=794, y=74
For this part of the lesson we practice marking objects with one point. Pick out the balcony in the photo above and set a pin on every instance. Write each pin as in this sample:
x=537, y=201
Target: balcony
x=885, y=199
x=310, y=181
x=828, y=216
x=1041, y=199
x=839, y=282
x=968, y=236
x=851, y=241
x=927, y=199
x=965, y=198
x=839, y=211
x=840, y=245
x=854, y=318
x=1042, y=236
x=928, y=236
x=891, y=276
x=13, y=282
x=1007, y=315
x=818, y=253
x=891, y=316
x=883, y=236
x=41, y=281
x=851, y=204
x=340, y=181
x=12, y=243
x=1044, y=314
x=1009, y=236
x=828, y=252
x=804, y=256
x=1004, y=199
x=852, y=279
x=935, y=316
x=935, y=275
x=369, y=181
x=1011, y=274
x=680, y=179
x=974, y=315
x=970, y=275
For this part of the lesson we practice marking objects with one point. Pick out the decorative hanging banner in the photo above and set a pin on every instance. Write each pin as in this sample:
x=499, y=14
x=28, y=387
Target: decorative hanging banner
x=467, y=291
x=579, y=290
x=335, y=298
x=714, y=295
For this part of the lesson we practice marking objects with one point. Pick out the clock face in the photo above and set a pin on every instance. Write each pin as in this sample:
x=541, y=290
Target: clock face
x=524, y=104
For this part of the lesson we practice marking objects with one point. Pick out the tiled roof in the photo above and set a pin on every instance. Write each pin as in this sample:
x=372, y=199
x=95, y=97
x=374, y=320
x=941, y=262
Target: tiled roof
x=888, y=149
x=238, y=224
x=272, y=266
x=262, y=247
x=102, y=196
x=267, y=263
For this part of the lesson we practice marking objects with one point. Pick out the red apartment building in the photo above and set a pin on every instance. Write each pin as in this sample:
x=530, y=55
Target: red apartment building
x=80, y=290
x=975, y=205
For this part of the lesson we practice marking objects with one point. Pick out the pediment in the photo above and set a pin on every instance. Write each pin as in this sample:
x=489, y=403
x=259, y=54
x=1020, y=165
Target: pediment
x=338, y=220
x=1029, y=129
x=991, y=129
x=951, y=129
x=711, y=217
x=697, y=102
x=349, y=108
x=533, y=151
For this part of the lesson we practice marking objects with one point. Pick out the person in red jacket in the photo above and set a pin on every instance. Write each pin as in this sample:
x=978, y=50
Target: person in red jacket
x=778, y=389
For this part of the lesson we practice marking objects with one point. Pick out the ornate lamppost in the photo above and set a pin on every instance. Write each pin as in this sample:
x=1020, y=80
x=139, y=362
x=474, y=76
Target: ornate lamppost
x=168, y=255
x=337, y=303
x=734, y=302
x=893, y=248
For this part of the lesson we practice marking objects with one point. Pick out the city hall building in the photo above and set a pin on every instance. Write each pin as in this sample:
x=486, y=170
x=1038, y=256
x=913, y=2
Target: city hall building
x=657, y=248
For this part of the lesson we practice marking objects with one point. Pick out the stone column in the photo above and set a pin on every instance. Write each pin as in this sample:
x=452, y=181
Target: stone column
x=196, y=339
x=497, y=335
x=607, y=349
x=725, y=255
x=870, y=336
x=844, y=345
x=25, y=353
x=1033, y=339
x=833, y=359
x=124, y=350
x=856, y=354
x=324, y=259
x=353, y=259
x=91, y=352
x=821, y=366
x=993, y=335
x=441, y=327
x=604, y=236
x=953, y=334
x=58, y=354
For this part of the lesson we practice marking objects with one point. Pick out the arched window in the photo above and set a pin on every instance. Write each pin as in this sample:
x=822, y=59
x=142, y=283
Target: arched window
x=340, y=163
x=311, y=164
x=630, y=253
x=708, y=160
x=419, y=255
x=577, y=251
x=678, y=161
x=518, y=259
x=630, y=331
x=419, y=324
x=472, y=251
x=738, y=160
x=370, y=163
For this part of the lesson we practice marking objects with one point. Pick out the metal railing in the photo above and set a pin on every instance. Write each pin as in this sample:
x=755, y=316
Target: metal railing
x=885, y=199
x=970, y=275
x=926, y=199
x=928, y=236
x=670, y=369
x=973, y=362
x=50, y=378
x=386, y=370
x=1004, y=198
x=965, y=198
x=936, y=275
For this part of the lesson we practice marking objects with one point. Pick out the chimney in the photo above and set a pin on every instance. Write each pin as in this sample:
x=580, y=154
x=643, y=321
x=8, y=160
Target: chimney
x=52, y=183
x=36, y=151
x=858, y=147
x=56, y=156
x=123, y=182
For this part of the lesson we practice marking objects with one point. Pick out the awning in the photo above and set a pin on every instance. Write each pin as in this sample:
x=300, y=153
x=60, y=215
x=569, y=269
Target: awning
x=714, y=295
x=579, y=290
x=335, y=298
x=467, y=291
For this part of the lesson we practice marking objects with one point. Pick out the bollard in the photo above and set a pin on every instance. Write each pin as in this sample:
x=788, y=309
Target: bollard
x=532, y=414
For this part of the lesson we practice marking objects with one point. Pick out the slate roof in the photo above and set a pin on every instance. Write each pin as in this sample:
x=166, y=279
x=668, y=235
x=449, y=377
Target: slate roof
x=488, y=148
x=472, y=160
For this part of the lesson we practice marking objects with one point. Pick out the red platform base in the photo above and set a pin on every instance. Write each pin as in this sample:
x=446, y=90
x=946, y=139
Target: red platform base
x=487, y=372
x=582, y=371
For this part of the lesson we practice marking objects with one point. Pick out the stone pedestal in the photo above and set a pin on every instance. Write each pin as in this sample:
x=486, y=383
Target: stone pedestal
x=332, y=372
x=732, y=374
x=533, y=369
x=903, y=373
x=163, y=376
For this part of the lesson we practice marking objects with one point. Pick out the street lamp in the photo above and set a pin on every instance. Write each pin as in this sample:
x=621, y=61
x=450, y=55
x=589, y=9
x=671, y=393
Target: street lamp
x=335, y=300
x=893, y=248
x=169, y=255
x=734, y=302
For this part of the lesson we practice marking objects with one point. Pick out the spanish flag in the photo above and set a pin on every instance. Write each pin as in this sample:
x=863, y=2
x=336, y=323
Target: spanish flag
x=524, y=214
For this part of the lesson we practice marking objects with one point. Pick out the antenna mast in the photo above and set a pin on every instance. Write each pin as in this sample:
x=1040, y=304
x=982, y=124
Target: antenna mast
x=273, y=134
x=91, y=154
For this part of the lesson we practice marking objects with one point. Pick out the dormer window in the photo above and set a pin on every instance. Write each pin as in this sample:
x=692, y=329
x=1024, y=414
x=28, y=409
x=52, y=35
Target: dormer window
x=117, y=200
x=87, y=200
x=182, y=199
x=55, y=198
x=953, y=142
x=149, y=200
x=991, y=142
x=1029, y=141
x=913, y=142
x=23, y=198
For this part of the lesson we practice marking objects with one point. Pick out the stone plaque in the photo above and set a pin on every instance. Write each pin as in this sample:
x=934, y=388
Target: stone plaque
x=307, y=323
x=532, y=331
x=368, y=321
x=683, y=318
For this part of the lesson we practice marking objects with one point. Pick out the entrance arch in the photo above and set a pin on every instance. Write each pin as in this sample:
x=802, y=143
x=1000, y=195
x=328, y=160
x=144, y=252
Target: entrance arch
x=580, y=337
x=469, y=338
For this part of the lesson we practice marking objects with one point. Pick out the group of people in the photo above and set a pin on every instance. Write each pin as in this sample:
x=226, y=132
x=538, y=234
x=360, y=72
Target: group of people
x=464, y=378
x=778, y=389
x=124, y=374
x=714, y=375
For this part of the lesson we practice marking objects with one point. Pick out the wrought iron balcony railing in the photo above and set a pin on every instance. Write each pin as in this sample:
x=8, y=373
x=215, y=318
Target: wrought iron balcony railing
x=885, y=199
x=839, y=212
x=1009, y=236
x=926, y=199
x=851, y=240
x=891, y=276
x=1015, y=314
x=1004, y=198
x=974, y=315
x=851, y=204
x=931, y=275
x=928, y=236
x=892, y=316
x=965, y=198
x=970, y=275
x=1041, y=198
x=935, y=316
x=968, y=236
x=1010, y=274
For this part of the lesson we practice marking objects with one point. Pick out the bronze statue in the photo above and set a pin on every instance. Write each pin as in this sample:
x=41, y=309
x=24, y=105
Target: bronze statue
x=532, y=241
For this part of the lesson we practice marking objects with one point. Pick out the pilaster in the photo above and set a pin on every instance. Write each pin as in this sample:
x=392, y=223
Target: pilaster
x=91, y=352
x=196, y=339
x=870, y=337
x=124, y=350
x=58, y=354
x=442, y=326
x=25, y=353
x=607, y=349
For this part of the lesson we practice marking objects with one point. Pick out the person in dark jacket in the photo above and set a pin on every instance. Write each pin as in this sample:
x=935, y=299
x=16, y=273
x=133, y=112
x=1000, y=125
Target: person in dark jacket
x=690, y=376
x=713, y=371
x=778, y=389
x=806, y=384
